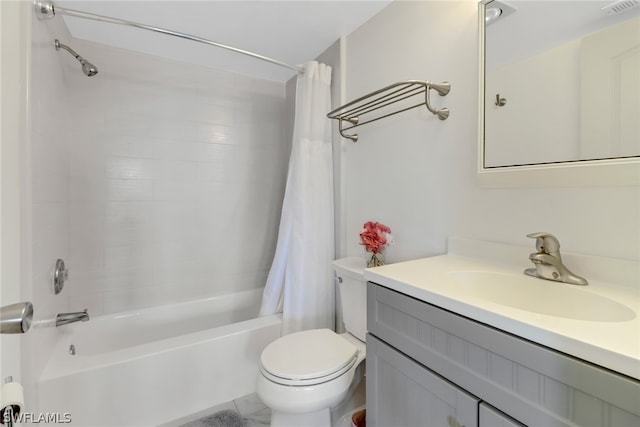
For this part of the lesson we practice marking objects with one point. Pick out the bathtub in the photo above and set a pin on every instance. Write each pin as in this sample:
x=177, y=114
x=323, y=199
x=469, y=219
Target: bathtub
x=150, y=366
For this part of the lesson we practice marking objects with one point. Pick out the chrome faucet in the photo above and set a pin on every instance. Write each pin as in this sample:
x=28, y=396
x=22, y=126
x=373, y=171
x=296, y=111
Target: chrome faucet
x=66, y=318
x=548, y=261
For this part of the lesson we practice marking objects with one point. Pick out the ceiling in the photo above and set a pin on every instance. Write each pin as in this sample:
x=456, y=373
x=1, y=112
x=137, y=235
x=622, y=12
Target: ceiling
x=290, y=31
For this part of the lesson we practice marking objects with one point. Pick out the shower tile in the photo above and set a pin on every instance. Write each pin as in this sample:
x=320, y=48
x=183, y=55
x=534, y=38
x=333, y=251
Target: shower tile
x=214, y=170
x=129, y=189
x=169, y=214
x=87, y=188
x=93, y=303
x=82, y=260
x=50, y=234
x=50, y=178
x=178, y=253
x=130, y=146
x=128, y=257
x=197, y=151
x=118, y=279
x=86, y=229
x=124, y=300
x=117, y=121
x=186, y=191
x=128, y=223
x=190, y=276
x=263, y=87
x=215, y=114
x=216, y=134
x=84, y=117
x=88, y=153
x=126, y=168
x=50, y=242
x=218, y=153
x=175, y=191
x=176, y=170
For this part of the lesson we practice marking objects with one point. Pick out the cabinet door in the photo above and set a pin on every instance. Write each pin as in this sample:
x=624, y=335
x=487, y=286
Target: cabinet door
x=403, y=393
x=491, y=417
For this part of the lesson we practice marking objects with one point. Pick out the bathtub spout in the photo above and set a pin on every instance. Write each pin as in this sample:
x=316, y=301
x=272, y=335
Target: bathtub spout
x=66, y=318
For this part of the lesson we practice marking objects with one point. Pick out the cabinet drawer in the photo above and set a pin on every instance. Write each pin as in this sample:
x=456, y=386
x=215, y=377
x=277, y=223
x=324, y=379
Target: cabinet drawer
x=401, y=392
x=534, y=384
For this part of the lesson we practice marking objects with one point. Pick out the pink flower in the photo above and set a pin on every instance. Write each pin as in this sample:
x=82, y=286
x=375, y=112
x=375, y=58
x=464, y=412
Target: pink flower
x=375, y=237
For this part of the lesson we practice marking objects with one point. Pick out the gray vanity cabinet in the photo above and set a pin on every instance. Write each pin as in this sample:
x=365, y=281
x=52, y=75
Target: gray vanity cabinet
x=430, y=367
x=491, y=417
x=401, y=392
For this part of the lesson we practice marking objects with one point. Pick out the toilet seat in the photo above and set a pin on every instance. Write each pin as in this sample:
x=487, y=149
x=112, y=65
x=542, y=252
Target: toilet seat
x=307, y=358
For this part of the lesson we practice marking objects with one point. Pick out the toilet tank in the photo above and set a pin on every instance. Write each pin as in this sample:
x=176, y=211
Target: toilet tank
x=353, y=294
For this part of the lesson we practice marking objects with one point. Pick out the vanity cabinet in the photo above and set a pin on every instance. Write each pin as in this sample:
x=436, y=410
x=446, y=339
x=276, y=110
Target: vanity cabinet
x=401, y=392
x=430, y=367
x=490, y=416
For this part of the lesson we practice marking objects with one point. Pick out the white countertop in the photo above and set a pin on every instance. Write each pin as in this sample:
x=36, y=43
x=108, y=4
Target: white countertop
x=612, y=344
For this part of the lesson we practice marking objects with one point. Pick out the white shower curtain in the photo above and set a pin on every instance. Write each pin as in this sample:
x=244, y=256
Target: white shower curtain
x=300, y=282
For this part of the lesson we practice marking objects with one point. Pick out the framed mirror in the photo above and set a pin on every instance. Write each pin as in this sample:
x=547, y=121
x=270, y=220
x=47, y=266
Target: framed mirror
x=560, y=90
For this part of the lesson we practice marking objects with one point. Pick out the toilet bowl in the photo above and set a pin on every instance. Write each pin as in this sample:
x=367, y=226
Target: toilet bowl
x=305, y=374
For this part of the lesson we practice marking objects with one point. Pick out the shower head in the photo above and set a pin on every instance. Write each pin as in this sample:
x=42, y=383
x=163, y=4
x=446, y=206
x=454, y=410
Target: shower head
x=87, y=67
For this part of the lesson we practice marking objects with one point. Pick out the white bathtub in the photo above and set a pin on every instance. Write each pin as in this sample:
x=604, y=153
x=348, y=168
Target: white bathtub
x=151, y=366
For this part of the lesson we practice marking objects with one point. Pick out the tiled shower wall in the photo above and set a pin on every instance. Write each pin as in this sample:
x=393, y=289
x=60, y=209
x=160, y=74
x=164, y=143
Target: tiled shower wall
x=172, y=175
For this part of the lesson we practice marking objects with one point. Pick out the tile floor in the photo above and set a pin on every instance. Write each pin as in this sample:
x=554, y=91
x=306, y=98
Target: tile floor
x=259, y=415
x=249, y=406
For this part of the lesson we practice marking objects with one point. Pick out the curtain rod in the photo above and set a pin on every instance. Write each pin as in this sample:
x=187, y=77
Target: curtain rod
x=46, y=10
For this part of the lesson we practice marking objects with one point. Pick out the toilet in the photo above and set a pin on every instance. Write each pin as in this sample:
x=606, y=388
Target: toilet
x=305, y=374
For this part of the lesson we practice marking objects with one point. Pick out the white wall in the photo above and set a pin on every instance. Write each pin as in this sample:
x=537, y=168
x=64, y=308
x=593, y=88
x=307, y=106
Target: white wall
x=332, y=57
x=417, y=174
x=14, y=45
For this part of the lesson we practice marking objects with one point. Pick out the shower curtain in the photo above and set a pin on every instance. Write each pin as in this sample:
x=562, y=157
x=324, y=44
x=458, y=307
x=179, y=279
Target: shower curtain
x=300, y=282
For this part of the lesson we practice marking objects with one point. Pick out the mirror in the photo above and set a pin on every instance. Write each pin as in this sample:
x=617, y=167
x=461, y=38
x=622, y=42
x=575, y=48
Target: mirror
x=561, y=82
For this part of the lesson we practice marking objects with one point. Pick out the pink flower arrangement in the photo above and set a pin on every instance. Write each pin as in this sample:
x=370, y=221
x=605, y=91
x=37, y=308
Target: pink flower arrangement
x=375, y=237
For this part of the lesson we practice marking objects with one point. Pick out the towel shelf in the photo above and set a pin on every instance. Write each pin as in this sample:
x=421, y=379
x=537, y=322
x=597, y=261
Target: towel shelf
x=360, y=111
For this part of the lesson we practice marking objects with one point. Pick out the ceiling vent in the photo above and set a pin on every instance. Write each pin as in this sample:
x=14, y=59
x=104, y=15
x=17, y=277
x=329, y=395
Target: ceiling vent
x=620, y=6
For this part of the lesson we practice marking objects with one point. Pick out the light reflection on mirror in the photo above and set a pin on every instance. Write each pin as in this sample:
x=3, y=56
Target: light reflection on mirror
x=562, y=82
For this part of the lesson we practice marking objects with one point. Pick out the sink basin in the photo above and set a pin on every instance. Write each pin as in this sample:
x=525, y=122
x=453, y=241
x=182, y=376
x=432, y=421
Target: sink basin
x=540, y=296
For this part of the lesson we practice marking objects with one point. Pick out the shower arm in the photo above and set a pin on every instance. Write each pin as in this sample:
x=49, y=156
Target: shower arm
x=46, y=10
x=87, y=67
x=68, y=49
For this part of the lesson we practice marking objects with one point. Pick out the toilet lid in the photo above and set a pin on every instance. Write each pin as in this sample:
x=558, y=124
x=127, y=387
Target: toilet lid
x=308, y=356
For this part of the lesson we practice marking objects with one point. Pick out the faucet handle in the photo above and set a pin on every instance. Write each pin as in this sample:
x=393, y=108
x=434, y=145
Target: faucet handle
x=546, y=243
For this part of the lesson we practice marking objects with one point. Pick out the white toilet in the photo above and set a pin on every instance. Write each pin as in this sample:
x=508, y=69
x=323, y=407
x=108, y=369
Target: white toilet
x=305, y=374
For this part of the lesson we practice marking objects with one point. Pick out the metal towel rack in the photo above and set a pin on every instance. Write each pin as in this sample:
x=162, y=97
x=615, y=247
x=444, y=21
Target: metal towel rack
x=353, y=112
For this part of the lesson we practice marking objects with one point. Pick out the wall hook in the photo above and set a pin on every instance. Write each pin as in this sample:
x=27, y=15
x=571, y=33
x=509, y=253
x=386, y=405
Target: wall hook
x=500, y=102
